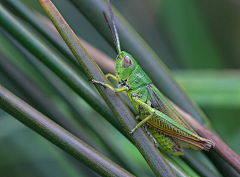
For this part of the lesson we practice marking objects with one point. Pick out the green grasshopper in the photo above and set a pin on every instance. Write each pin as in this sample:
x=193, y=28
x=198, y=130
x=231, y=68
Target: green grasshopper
x=159, y=118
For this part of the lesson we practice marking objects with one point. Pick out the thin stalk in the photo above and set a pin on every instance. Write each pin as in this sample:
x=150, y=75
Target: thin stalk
x=221, y=148
x=51, y=60
x=31, y=18
x=148, y=60
x=37, y=98
x=80, y=115
x=19, y=30
x=120, y=110
x=58, y=136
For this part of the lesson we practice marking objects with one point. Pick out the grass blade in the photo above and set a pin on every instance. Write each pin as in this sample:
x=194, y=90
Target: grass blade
x=57, y=135
x=50, y=59
x=147, y=59
x=153, y=157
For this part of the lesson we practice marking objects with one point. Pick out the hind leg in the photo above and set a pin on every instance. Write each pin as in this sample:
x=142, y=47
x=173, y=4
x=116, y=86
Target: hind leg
x=150, y=135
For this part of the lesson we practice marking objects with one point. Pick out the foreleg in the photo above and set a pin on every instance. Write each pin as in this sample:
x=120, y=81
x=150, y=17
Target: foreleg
x=111, y=76
x=116, y=90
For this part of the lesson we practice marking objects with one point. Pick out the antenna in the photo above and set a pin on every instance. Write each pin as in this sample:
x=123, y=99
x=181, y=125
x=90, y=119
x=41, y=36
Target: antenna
x=115, y=34
x=109, y=26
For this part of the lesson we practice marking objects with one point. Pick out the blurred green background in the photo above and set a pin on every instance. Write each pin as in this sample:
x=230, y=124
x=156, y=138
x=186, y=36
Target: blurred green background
x=198, y=40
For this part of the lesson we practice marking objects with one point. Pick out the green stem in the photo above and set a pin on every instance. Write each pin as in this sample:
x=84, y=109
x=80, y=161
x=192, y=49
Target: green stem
x=125, y=117
x=50, y=59
x=52, y=37
x=58, y=136
x=147, y=59
x=36, y=97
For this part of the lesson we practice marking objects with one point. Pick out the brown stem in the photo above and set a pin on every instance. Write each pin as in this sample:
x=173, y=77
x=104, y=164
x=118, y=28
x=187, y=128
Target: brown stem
x=220, y=147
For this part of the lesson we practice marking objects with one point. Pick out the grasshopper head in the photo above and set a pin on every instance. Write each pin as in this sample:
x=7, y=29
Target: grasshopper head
x=125, y=64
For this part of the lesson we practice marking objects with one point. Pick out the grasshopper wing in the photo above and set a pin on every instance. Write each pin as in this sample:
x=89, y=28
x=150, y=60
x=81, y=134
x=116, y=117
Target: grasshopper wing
x=160, y=103
x=190, y=140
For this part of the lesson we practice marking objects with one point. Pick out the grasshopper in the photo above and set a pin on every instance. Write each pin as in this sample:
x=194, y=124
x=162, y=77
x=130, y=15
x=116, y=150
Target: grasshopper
x=158, y=117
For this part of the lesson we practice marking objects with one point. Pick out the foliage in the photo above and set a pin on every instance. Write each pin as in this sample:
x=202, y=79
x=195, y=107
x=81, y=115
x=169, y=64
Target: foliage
x=186, y=36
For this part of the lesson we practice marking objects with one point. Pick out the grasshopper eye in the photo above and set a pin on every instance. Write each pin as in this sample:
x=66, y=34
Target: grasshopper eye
x=119, y=58
x=126, y=62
